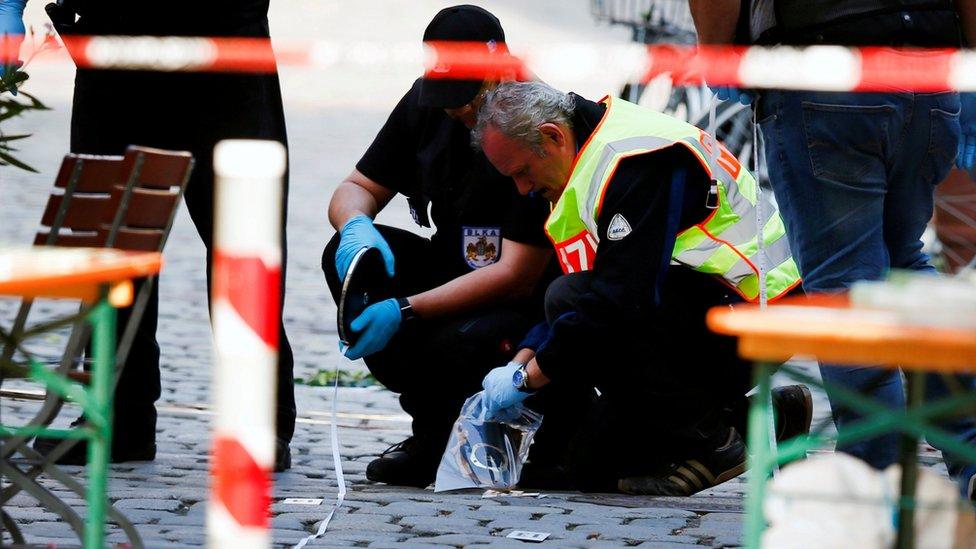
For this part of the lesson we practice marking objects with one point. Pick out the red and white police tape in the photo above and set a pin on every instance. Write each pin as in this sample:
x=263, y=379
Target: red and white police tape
x=246, y=303
x=826, y=68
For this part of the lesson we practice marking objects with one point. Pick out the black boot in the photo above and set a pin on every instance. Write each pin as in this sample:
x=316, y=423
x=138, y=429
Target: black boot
x=408, y=463
x=126, y=446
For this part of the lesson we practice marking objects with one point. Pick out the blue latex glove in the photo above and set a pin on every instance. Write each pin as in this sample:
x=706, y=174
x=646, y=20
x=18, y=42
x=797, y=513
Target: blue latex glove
x=378, y=323
x=501, y=399
x=729, y=93
x=11, y=28
x=359, y=233
x=967, y=122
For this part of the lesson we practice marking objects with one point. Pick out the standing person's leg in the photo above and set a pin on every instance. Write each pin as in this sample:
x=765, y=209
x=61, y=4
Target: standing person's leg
x=925, y=160
x=238, y=106
x=828, y=156
x=102, y=123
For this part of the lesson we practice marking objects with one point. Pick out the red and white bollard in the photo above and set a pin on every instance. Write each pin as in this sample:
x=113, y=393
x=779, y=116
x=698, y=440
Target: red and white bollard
x=246, y=295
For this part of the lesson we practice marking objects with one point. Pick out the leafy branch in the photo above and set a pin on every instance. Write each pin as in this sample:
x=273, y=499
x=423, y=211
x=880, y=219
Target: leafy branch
x=14, y=103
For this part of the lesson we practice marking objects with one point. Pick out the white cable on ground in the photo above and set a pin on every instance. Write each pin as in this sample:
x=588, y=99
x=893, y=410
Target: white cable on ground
x=337, y=463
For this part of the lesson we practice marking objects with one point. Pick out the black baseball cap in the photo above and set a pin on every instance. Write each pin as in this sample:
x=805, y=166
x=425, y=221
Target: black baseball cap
x=463, y=23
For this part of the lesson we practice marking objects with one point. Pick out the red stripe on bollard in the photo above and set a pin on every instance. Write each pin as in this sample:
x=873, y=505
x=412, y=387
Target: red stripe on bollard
x=254, y=291
x=240, y=484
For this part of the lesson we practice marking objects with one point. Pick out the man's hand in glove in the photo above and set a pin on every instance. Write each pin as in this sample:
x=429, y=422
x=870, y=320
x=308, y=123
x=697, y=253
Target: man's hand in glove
x=356, y=234
x=729, y=93
x=501, y=397
x=376, y=326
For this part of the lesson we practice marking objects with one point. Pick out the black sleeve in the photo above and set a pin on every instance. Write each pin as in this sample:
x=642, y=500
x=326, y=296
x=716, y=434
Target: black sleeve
x=629, y=268
x=525, y=221
x=391, y=159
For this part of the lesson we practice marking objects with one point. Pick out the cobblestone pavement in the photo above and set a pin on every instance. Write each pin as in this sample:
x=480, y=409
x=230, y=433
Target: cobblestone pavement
x=329, y=126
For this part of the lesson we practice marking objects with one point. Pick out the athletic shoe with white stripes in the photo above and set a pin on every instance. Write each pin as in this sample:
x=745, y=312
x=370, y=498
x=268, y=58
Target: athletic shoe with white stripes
x=695, y=474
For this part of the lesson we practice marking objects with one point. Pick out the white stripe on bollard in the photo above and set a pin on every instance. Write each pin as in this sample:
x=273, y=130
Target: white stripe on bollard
x=246, y=302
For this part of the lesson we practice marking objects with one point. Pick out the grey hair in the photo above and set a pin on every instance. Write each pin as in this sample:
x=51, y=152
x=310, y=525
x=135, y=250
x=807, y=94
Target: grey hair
x=517, y=109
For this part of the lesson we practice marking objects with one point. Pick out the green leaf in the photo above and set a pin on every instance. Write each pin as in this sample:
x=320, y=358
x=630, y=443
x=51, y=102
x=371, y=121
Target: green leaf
x=11, y=79
x=11, y=107
x=35, y=102
x=9, y=160
x=327, y=378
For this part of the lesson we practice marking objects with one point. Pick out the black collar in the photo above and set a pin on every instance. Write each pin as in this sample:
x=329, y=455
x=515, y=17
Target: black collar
x=586, y=117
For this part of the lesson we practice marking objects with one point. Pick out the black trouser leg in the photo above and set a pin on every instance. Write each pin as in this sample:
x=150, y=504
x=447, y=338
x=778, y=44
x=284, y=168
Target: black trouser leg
x=139, y=386
x=564, y=406
x=242, y=120
x=97, y=128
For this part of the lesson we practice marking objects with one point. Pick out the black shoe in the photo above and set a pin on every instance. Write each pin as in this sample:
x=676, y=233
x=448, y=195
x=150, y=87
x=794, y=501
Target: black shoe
x=793, y=406
x=693, y=475
x=282, y=456
x=406, y=463
x=78, y=454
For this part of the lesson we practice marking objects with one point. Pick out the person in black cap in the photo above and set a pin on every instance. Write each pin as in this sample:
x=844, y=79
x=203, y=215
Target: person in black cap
x=465, y=297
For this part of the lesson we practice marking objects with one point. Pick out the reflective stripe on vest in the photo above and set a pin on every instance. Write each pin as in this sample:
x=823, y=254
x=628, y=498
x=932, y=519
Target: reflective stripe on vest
x=725, y=244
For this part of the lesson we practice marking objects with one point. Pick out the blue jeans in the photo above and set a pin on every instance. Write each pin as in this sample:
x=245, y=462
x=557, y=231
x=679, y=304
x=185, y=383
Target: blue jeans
x=854, y=176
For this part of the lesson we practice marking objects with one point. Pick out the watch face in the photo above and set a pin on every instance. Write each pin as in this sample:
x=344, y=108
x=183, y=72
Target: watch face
x=518, y=379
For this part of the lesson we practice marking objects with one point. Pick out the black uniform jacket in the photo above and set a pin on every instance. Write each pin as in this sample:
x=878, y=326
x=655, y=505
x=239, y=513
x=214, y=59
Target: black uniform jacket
x=427, y=156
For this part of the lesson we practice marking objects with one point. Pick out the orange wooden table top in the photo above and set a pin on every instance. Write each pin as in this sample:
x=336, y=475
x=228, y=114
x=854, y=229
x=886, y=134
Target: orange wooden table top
x=830, y=329
x=74, y=273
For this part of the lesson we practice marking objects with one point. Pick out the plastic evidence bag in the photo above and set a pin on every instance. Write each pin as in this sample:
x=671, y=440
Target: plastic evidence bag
x=486, y=453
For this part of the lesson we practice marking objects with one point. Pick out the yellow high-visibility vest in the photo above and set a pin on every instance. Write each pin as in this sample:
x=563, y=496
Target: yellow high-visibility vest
x=724, y=244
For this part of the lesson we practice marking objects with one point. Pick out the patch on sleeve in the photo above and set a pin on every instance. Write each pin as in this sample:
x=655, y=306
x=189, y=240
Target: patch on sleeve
x=619, y=228
x=481, y=246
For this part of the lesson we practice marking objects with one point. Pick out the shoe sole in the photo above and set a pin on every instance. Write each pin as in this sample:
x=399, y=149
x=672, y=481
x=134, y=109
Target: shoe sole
x=730, y=474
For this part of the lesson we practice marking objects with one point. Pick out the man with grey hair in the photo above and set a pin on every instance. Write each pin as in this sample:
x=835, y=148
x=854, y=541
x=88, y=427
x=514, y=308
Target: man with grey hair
x=651, y=223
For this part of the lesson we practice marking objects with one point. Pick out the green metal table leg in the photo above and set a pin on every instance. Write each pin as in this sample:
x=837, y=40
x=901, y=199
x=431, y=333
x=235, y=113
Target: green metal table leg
x=761, y=454
x=909, y=466
x=103, y=347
